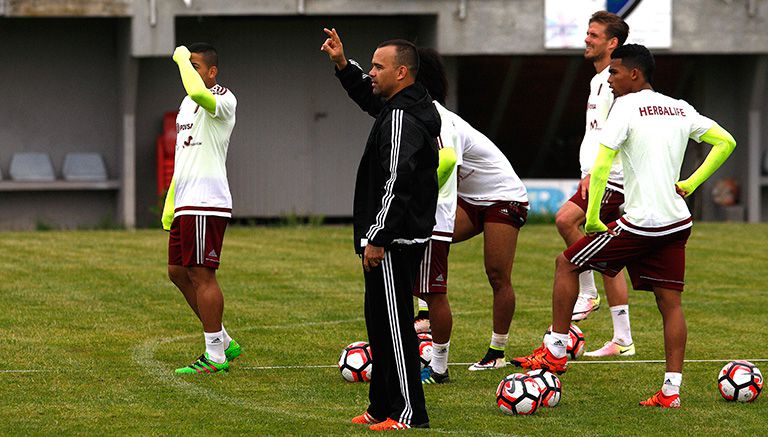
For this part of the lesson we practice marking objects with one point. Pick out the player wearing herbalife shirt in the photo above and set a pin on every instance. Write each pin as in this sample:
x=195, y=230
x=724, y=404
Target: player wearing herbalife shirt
x=199, y=204
x=606, y=32
x=651, y=132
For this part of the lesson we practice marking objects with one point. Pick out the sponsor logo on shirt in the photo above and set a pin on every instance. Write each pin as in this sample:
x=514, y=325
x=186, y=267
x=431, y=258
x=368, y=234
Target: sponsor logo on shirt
x=181, y=127
x=646, y=111
x=189, y=142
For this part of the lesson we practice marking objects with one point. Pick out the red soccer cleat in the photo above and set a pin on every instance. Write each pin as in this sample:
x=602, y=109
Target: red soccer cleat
x=542, y=358
x=389, y=425
x=661, y=400
x=365, y=419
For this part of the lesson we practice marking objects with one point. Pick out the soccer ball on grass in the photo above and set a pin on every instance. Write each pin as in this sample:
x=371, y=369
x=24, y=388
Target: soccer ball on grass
x=518, y=394
x=356, y=363
x=549, y=387
x=740, y=381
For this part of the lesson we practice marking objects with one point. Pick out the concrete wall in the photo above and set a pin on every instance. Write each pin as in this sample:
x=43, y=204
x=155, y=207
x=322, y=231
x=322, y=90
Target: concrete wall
x=60, y=95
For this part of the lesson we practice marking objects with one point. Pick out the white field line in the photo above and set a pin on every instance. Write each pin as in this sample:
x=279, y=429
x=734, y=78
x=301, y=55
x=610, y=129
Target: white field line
x=333, y=366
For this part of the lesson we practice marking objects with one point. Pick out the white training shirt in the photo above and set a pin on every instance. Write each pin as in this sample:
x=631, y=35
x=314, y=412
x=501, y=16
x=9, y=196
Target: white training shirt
x=598, y=106
x=651, y=132
x=200, y=168
x=445, y=214
x=485, y=175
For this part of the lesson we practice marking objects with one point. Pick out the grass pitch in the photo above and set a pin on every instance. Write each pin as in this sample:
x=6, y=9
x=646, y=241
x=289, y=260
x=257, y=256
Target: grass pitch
x=92, y=330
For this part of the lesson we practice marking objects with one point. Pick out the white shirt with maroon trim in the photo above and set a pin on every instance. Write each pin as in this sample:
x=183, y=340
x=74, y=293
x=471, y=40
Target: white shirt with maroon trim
x=651, y=132
x=445, y=214
x=485, y=175
x=200, y=171
x=598, y=106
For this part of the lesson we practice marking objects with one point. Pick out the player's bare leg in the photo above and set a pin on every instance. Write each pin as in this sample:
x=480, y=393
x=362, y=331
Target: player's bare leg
x=669, y=303
x=463, y=229
x=441, y=321
x=568, y=219
x=180, y=277
x=440, y=317
x=210, y=299
x=500, y=243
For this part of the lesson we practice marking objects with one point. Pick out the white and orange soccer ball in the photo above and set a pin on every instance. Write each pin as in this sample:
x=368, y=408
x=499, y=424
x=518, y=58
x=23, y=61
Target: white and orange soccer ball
x=518, y=394
x=549, y=385
x=425, y=349
x=356, y=362
x=576, y=342
x=740, y=381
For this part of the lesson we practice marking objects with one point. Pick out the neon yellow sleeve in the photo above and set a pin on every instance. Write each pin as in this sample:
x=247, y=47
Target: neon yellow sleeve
x=446, y=166
x=597, y=181
x=169, y=206
x=192, y=81
x=722, y=147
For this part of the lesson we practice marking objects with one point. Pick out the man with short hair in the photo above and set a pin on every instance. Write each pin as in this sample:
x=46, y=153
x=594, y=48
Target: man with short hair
x=606, y=32
x=199, y=205
x=651, y=132
x=394, y=213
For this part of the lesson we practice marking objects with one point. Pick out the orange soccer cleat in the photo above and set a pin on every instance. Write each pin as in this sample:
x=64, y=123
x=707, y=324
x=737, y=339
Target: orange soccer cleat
x=365, y=419
x=542, y=358
x=661, y=400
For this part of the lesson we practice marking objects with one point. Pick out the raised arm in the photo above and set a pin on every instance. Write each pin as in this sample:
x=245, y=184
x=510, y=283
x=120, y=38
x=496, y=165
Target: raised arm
x=192, y=81
x=722, y=146
x=351, y=75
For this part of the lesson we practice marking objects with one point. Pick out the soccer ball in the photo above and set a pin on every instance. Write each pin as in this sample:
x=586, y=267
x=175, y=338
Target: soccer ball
x=576, y=342
x=740, y=381
x=356, y=363
x=425, y=349
x=549, y=386
x=519, y=394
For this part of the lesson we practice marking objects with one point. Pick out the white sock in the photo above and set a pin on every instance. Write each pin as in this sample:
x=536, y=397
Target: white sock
x=672, y=383
x=622, y=334
x=440, y=357
x=423, y=305
x=556, y=343
x=214, y=346
x=227, y=338
x=587, y=284
x=499, y=341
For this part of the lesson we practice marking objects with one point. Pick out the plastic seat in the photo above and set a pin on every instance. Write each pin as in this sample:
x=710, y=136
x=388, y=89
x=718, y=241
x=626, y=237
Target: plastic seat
x=84, y=167
x=30, y=166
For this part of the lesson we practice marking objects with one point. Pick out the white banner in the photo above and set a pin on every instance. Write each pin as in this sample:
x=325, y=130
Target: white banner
x=650, y=21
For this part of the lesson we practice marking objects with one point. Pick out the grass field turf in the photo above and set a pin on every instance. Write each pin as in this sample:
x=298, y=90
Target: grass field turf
x=92, y=330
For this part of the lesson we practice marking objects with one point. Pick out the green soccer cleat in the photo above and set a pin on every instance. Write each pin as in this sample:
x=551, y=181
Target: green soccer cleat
x=233, y=351
x=204, y=365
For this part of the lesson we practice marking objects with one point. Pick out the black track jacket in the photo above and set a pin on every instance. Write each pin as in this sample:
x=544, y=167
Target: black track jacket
x=396, y=186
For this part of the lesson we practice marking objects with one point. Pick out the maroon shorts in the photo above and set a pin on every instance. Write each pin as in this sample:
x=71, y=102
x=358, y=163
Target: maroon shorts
x=509, y=213
x=196, y=240
x=650, y=261
x=433, y=270
x=610, y=207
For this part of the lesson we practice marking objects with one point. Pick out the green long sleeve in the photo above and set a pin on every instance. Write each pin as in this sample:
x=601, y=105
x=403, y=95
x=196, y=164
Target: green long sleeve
x=597, y=182
x=446, y=166
x=722, y=147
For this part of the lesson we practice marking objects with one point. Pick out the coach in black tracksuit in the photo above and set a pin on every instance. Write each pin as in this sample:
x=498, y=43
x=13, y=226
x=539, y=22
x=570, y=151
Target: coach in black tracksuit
x=394, y=212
